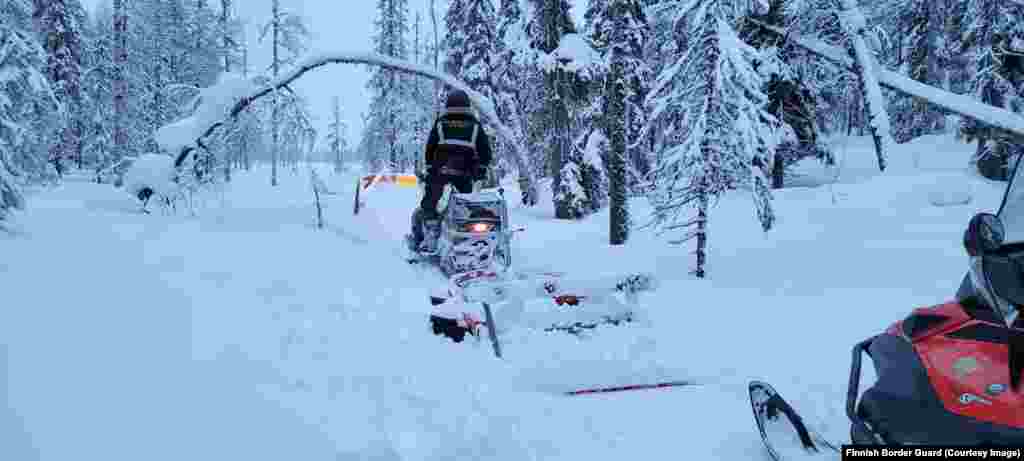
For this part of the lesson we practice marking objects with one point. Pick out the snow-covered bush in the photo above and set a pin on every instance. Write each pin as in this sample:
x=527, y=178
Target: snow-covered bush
x=152, y=175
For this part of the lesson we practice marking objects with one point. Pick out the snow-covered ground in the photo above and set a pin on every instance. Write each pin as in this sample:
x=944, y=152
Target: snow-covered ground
x=246, y=333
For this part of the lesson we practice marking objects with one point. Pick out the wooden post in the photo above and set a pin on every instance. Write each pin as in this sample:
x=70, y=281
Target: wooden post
x=491, y=329
x=355, y=207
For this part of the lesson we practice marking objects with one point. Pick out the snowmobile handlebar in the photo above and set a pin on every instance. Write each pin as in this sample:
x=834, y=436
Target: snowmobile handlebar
x=853, y=389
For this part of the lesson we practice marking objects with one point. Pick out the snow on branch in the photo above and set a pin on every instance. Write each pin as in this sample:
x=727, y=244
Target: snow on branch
x=229, y=98
x=573, y=55
x=962, y=105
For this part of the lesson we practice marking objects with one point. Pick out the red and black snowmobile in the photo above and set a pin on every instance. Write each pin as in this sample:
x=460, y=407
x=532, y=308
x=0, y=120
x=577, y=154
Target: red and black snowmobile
x=948, y=374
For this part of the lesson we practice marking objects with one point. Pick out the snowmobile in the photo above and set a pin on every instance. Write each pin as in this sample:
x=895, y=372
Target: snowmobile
x=948, y=374
x=473, y=250
x=472, y=235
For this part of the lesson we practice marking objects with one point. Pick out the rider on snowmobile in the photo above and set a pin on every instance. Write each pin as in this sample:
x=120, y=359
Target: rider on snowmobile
x=457, y=153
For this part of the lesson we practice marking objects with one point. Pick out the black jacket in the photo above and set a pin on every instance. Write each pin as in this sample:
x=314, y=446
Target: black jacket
x=465, y=146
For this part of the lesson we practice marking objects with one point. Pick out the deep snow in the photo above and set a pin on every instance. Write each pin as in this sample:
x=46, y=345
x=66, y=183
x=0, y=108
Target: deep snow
x=245, y=333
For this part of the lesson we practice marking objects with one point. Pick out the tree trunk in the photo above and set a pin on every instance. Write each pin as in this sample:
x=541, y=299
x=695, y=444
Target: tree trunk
x=120, y=84
x=778, y=173
x=615, y=123
x=276, y=116
x=225, y=13
x=702, y=234
x=225, y=17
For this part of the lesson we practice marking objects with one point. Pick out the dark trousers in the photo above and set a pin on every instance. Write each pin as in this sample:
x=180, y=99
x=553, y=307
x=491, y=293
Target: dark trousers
x=435, y=188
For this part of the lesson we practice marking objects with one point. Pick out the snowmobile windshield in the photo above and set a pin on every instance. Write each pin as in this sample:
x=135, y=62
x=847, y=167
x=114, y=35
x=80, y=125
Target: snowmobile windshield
x=1011, y=211
x=465, y=210
x=1005, y=271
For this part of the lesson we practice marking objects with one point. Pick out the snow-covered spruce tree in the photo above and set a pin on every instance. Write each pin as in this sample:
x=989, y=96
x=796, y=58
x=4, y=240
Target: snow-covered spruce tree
x=956, y=60
x=995, y=32
x=711, y=99
x=97, y=92
x=25, y=96
x=205, y=59
x=618, y=29
x=289, y=39
x=337, y=140
x=472, y=44
x=120, y=79
x=590, y=152
x=59, y=25
x=792, y=96
x=512, y=54
x=228, y=32
x=388, y=109
x=546, y=24
x=421, y=90
x=919, y=26
x=158, y=67
x=570, y=193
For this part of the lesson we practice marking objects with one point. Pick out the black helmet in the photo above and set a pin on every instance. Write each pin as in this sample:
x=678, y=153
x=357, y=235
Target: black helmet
x=457, y=99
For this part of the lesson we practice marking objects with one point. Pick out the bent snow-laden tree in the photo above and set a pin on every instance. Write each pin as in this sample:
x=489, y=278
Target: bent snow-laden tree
x=231, y=97
x=996, y=117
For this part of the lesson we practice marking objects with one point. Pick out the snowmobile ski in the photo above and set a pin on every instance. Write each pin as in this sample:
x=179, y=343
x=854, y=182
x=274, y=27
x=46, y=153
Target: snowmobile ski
x=783, y=431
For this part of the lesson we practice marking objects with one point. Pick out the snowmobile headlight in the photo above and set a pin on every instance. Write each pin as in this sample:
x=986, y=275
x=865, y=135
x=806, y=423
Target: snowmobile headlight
x=478, y=227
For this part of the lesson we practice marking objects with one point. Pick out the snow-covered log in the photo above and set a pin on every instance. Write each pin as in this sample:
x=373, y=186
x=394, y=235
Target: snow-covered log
x=959, y=104
x=482, y=103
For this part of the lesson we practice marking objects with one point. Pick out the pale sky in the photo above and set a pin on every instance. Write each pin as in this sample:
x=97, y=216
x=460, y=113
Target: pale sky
x=335, y=25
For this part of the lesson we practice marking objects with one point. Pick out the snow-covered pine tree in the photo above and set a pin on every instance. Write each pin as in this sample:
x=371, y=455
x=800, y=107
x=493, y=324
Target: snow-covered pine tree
x=994, y=30
x=25, y=96
x=289, y=40
x=711, y=99
x=59, y=26
x=337, y=140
